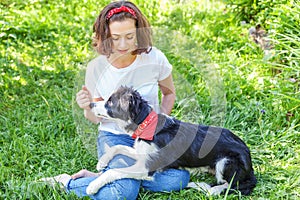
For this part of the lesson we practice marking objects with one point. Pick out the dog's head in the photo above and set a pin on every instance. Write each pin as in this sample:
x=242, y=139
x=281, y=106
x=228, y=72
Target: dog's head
x=127, y=104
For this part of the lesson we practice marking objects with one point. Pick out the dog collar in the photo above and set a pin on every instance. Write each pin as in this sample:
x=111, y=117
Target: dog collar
x=141, y=116
x=147, y=128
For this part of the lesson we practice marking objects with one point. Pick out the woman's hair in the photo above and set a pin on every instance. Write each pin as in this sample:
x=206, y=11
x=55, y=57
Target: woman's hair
x=102, y=41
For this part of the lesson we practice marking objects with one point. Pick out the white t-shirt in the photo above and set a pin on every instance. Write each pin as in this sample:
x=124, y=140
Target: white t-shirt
x=102, y=79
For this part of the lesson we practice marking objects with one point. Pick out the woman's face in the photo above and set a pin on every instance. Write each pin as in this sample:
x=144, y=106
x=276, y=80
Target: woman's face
x=123, y=35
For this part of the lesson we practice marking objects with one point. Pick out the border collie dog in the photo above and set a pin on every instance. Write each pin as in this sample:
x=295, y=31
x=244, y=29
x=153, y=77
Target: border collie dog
x=163, y=142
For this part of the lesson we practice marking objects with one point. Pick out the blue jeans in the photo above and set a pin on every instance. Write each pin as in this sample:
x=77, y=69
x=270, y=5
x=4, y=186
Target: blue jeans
x=165, y=181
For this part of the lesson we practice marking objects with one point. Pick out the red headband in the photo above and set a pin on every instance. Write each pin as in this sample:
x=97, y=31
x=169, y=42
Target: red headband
x=118, y=10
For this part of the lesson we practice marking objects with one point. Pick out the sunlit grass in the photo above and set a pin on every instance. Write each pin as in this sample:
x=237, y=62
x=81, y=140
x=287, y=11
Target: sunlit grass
x=45, y=44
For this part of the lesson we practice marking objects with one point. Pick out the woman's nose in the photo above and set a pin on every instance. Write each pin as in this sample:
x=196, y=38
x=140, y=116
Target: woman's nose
x=123, y=43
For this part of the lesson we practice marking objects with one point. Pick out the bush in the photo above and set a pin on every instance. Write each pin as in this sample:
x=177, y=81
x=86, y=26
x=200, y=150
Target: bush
x=253, y=11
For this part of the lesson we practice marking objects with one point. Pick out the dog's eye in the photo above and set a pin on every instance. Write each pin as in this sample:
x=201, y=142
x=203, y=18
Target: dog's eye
x=109, y=102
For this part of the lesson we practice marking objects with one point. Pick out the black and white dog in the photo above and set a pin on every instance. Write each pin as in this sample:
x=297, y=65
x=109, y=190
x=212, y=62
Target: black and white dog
x=164, y=142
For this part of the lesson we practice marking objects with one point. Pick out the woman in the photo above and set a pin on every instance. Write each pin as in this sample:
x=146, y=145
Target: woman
x=123, y=40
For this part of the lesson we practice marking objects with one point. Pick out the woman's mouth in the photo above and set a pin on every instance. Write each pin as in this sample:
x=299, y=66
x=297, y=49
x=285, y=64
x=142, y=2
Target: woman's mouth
x=122, y=51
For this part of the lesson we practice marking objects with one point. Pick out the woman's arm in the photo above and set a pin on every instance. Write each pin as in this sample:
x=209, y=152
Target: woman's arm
x=168, y=94
x=85, y=96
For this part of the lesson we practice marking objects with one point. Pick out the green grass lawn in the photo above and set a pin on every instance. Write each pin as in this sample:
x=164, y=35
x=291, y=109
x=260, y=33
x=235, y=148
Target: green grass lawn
x=220, y=74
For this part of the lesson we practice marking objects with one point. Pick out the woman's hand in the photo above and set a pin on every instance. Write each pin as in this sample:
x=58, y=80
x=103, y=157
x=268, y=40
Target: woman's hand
x=84, y=98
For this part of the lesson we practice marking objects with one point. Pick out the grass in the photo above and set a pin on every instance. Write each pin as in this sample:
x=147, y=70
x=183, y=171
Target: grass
x=220, y=76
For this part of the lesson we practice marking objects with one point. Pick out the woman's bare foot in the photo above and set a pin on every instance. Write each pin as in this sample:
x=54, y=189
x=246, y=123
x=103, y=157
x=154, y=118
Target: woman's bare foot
x=84, y=173
x=62, y=179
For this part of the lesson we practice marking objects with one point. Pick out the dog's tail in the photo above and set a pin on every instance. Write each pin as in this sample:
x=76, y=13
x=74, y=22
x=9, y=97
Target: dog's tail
x=248, y=180
x=239, y=171
x=247, y=185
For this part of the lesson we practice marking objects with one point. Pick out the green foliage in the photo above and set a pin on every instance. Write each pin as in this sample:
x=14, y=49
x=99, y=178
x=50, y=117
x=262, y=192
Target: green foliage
x=285, y=22
x=45, y=44
x=253, y=11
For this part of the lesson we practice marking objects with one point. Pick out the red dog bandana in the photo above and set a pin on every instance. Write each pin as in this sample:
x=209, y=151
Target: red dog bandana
x=146, y=129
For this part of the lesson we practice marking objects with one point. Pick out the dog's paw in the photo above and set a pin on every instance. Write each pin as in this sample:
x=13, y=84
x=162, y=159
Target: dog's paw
x=218, y=189
x=201, y=186
x=92, y=188
x=101, y=165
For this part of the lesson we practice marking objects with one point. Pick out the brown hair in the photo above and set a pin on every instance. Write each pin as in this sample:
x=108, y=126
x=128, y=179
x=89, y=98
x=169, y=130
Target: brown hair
x=102, y=41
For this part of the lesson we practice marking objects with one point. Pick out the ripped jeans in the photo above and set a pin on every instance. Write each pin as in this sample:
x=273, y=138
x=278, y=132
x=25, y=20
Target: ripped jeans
x=165, y=181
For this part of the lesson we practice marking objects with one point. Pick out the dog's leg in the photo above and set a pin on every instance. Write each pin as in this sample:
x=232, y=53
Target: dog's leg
x=216, y=190
x=220, y=165
x=136, y=171
x=110, y=152
x=201, y=170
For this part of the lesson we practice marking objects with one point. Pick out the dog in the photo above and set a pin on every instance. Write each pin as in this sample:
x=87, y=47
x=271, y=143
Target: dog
x=261, y=37
x=163, y=142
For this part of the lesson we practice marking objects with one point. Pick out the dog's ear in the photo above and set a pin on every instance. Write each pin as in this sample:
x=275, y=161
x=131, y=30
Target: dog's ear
x=133, y=106
x=126, y=99
x=124, y=104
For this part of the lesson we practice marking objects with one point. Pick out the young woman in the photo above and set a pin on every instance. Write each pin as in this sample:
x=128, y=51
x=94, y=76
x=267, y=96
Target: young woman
x=127, y=57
